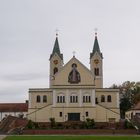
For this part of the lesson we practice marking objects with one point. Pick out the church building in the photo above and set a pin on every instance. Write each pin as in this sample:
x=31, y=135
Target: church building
x=75, y=92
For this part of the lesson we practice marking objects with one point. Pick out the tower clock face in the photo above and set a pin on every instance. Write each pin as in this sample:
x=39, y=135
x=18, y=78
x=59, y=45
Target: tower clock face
x=55, y=62
x=96, y=61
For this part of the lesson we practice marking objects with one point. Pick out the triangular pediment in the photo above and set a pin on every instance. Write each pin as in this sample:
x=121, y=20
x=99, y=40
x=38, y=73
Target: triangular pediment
x=62, y=77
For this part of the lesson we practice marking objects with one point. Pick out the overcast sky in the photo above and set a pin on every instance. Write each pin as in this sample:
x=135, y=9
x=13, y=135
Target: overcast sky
x=27, y=35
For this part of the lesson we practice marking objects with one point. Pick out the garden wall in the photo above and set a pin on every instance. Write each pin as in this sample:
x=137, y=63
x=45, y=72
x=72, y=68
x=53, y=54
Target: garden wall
x=81, y=132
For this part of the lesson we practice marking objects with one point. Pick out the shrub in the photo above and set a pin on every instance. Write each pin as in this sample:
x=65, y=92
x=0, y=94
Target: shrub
x=53, y=123
x=36, y=126
x=59, y=126
x=89, y=123
x=128, y=125
x=30, y=125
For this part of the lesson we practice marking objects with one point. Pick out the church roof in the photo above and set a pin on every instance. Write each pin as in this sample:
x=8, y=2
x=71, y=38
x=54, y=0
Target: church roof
x=96, y=47
x=56, y=49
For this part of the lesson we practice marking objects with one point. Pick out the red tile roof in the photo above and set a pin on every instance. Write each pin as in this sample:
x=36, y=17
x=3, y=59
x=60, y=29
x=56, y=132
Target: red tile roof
x=137, y=106
x=13, y=107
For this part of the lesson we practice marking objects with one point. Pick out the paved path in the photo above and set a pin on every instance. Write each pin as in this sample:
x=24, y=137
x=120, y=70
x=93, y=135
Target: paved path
x=2, y=136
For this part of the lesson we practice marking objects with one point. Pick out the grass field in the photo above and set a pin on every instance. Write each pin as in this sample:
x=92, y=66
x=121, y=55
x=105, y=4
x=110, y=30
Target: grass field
x=72, y=138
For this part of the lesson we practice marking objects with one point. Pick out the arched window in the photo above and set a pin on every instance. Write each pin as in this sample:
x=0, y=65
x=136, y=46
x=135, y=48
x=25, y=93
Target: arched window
x=109, y=98
x=102, y=98
x=89, y=99
x=63, y=99
x=86, y=99
x=73, y=99
x=55, y=70
x=44, y=98
x=96, y=71
x=76, y=99
x=60, y=99
x=70, y=99
x=38, y=99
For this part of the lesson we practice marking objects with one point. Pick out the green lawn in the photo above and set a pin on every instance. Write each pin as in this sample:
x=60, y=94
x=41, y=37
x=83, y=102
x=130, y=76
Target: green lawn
x=72, y=138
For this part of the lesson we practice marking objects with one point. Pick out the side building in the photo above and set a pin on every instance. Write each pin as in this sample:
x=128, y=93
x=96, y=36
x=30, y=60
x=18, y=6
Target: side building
x=13, y=109
x=134, y=111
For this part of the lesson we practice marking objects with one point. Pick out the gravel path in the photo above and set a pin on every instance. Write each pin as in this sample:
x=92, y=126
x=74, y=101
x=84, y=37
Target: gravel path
x=2, y=136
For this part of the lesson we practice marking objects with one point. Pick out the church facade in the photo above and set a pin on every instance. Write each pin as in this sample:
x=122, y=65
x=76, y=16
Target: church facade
x=75, y=92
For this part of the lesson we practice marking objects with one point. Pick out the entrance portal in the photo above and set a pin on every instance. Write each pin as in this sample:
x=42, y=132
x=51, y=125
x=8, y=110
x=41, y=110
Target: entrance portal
x=73, y=116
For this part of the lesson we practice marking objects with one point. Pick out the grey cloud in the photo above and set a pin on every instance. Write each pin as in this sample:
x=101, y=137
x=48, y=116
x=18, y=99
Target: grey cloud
x=23, y=77
x=14, y=94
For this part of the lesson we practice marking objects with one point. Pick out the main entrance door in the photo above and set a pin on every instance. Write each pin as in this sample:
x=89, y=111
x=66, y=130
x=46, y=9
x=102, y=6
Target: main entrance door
x=73, y=116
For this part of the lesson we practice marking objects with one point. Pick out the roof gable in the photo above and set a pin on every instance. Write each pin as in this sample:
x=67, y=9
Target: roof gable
x=61, y=78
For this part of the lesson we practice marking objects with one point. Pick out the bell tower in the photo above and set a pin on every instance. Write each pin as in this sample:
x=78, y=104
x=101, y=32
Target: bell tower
x=96, y=64
x=56, y=61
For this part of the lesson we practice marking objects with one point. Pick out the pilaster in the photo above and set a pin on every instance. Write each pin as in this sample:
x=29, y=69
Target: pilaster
x=54, y=98
x=67, y=97
x=118, y=101
x=80, y=98
x=93, y=97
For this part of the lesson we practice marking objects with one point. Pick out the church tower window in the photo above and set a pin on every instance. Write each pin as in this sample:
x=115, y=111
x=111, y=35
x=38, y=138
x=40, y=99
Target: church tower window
x=74, y=75
x=55, y=70
x=96, y=71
